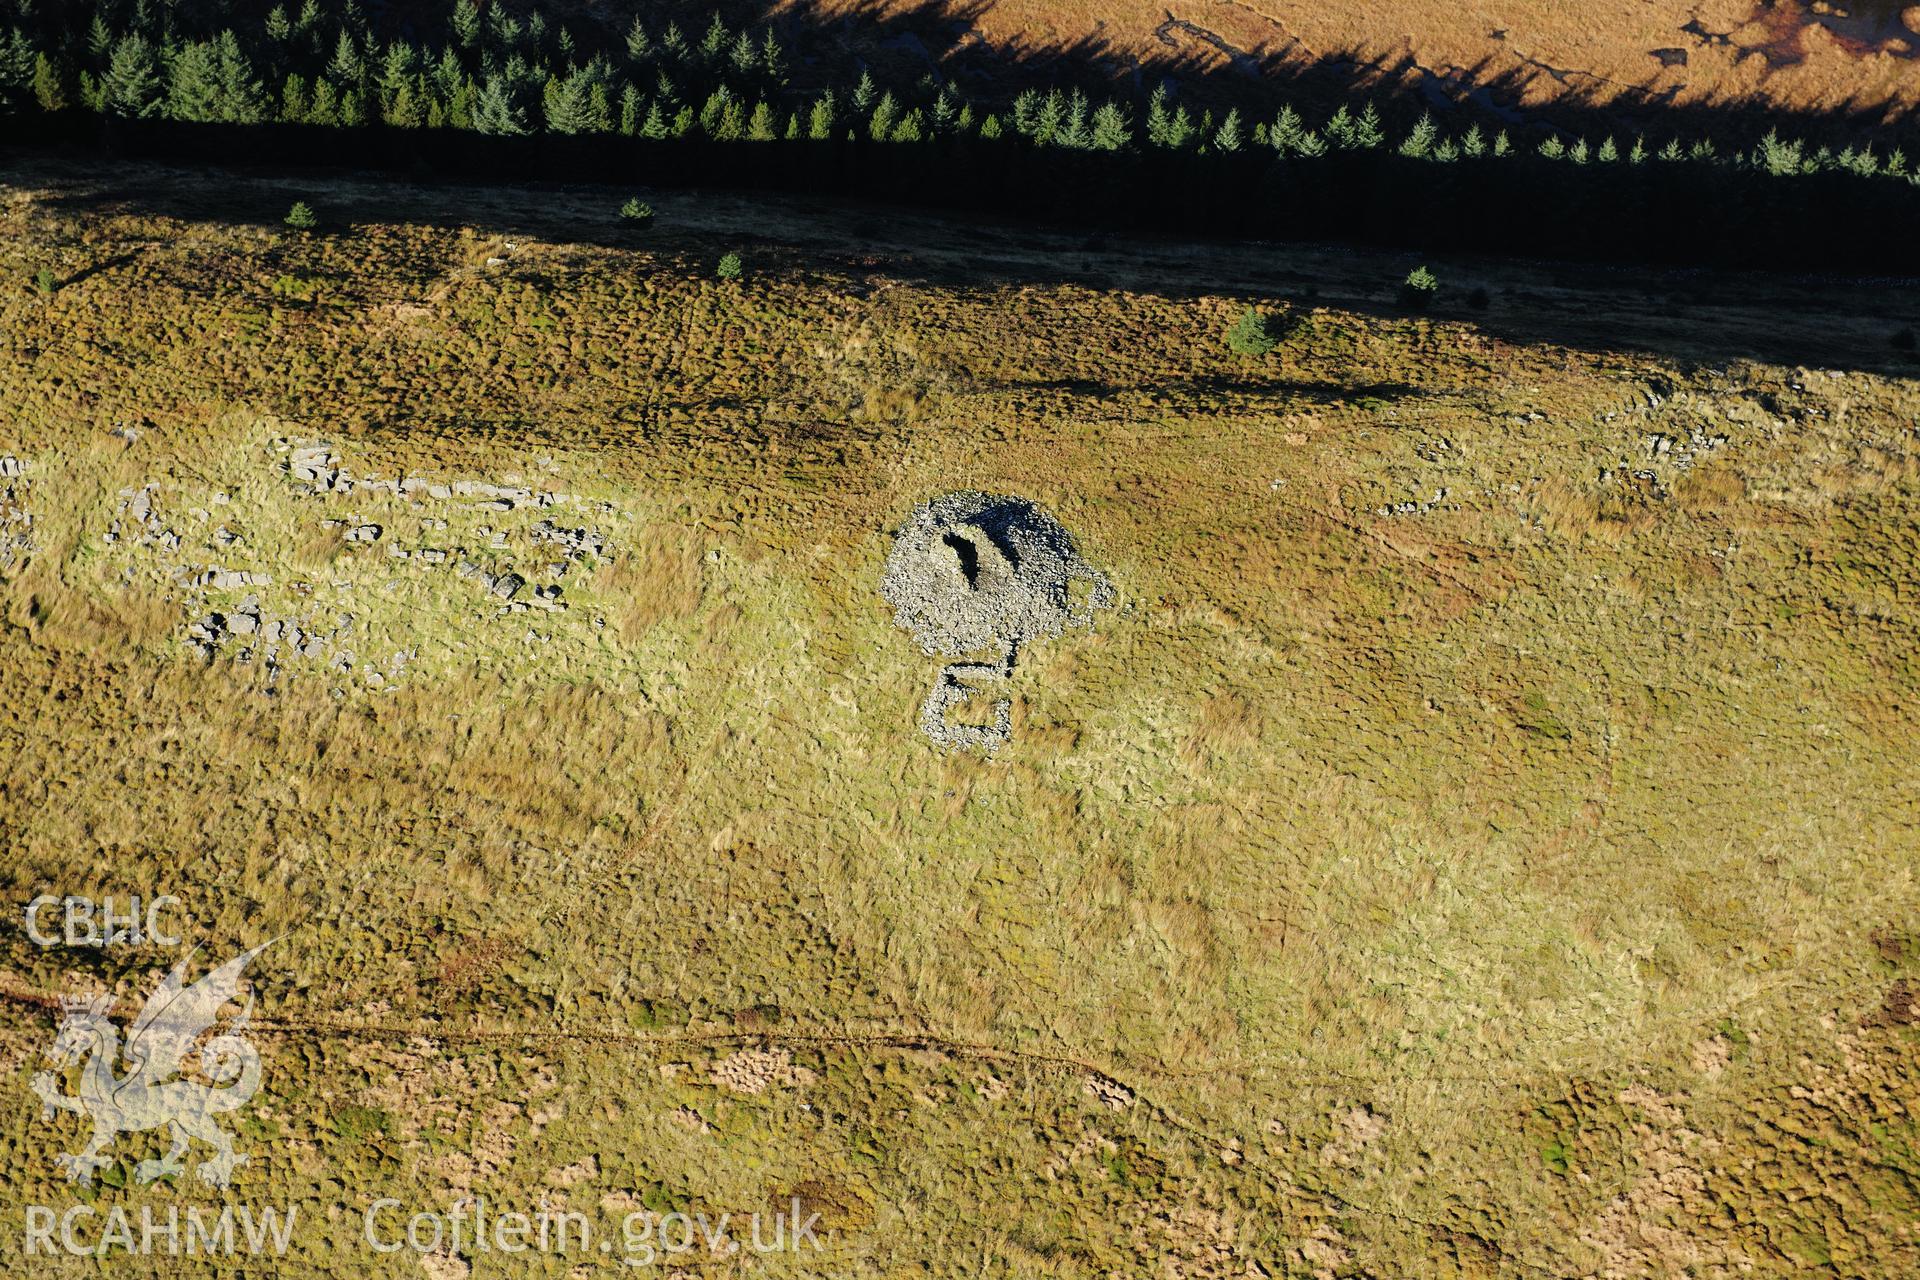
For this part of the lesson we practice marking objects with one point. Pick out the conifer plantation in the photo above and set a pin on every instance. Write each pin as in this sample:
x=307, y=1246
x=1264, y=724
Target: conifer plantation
x=488, y=87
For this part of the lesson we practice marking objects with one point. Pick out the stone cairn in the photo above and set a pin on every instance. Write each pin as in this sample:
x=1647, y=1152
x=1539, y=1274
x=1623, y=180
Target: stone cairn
x=976, y=577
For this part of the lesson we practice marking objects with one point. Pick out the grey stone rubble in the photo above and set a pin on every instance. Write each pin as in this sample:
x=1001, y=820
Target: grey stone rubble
x=317, y=467
x=575, y=543
x=139, y=520
x=1682, y=454
x=268, y=640
x=1413, y=508
x=16, y=521
x=314, y=465
x=250, y=636
x=230, y=579
x=507, y=586
x=978, y=576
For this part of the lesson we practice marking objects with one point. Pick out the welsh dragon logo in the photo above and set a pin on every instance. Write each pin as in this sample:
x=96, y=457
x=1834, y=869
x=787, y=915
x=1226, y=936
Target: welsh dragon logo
x=150, y=1092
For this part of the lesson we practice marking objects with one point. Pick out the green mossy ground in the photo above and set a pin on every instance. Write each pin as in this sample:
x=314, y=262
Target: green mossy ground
x=1519, y=885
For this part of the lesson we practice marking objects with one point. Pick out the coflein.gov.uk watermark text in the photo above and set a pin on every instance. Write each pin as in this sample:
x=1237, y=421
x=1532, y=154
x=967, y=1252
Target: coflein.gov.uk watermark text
x=467, y=1228
x=640, y=1239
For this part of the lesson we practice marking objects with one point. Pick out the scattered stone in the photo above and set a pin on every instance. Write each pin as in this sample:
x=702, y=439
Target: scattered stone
x=1413, y=508
x=317, y=466
x=364, y=533
x=507, y=585
x=482, y=489
x=1111, y=1094
x=577, y=542
x=16, y=521
x=231, y=579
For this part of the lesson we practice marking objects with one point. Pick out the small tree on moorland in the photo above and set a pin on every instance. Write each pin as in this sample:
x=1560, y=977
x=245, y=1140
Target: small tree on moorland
x=1252, y=335
x=301, y=216
x=1417, y=290
x=730, y=267
x=637, y=213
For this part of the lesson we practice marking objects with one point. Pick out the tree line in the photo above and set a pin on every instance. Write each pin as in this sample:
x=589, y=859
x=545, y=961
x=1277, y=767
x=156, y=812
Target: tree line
x=657, y=101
